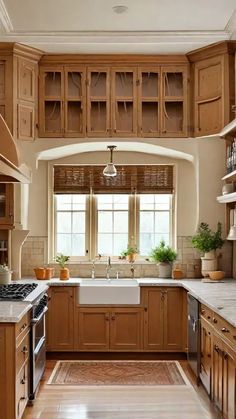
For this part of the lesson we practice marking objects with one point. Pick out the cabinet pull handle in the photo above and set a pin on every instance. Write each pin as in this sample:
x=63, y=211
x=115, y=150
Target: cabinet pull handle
x=145, y=309
x=214, y=320
x=25, y=350
x=224, y=330
x=23, y=327
x=107, y=317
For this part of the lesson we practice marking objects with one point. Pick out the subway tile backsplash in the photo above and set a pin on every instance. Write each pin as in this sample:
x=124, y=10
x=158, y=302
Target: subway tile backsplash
x=34, y=254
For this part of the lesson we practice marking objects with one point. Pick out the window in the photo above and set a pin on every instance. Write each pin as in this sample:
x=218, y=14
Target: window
x=70, y=222
x=113, y=228
x=154, y=221
x=87, y=225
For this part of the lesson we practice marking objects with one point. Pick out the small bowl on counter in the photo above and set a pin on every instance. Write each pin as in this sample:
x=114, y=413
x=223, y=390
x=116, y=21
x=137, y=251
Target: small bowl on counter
x=216, y=275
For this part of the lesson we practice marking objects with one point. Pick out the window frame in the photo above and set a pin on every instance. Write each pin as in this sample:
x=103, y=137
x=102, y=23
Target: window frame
x=91, y=224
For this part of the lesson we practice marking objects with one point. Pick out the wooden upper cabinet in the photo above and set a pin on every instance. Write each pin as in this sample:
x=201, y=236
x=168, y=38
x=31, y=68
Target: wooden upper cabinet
x=75, y=108
x=27, y=72
x=174, y=111
x=213, y=84
x=51, y=105
x=98, y=102
x=6, y=205
x=124, y=102
x=149, y=102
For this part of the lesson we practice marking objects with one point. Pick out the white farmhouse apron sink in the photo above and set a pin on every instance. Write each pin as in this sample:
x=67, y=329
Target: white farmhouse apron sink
x=113, y=291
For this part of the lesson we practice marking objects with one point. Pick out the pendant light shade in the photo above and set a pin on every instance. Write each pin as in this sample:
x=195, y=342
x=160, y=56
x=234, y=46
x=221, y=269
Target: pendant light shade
x=110, y=169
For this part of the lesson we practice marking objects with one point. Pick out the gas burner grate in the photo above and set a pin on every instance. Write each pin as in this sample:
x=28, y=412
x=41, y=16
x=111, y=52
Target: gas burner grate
x=16, y=291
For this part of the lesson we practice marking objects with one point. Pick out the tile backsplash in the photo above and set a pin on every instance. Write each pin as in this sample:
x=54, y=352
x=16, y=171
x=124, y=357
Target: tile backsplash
x=34, y=254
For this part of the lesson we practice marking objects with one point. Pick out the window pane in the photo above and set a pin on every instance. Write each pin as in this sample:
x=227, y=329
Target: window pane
x=78, y=225
x=146, y=202
x=105, y=222
x=146, y=243
x=78, y=245
x=78, y=202
x=121, y=202
x=64, y=244
x=121, y=222
x=120, y=243
x=162, y=202
x=105, y=244
x=64, y=222
x=146, y=222
x=63, y=202
x=162, y=222
x=104, y=202
x=159, y=237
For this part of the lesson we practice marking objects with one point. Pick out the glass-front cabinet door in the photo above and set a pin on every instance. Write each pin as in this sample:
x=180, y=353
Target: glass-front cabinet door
x=149, y=102
x=6, y=205
x=174, y=101
x=98, y=102
x=124, y=102
x=75, y=95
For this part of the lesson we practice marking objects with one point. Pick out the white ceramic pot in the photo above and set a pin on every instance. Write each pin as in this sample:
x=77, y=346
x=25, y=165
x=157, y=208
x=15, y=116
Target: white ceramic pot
x=5, y=277
x=209, y=263
x=165, y=269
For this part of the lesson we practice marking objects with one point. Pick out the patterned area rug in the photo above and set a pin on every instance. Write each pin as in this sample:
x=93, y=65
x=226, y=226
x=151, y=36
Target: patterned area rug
x=118, y=373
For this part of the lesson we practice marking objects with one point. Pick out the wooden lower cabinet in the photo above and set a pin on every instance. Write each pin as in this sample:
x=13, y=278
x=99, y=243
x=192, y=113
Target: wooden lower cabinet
x=92, y=331
x=206, y=355
x=14, y=368
x=165, y=321
x=60, y=318
x=223, y=378
x=103, y=329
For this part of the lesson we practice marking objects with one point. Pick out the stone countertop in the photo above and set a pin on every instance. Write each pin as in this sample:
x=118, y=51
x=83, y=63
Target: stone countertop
x=219, y=296
x=13, y=311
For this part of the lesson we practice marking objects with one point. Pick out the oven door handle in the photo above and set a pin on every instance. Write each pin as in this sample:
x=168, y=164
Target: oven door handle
x=37, y=319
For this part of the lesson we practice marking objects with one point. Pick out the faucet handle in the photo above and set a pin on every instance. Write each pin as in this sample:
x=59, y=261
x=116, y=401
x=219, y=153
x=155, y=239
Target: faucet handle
x=117, y=274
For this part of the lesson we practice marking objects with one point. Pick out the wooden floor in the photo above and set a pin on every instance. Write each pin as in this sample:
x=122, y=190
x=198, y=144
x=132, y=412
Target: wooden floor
x=55, y=402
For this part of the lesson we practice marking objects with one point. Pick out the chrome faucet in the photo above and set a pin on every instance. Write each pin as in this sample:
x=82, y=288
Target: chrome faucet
x=108, y=268
x=132, y=271
x=93, y=270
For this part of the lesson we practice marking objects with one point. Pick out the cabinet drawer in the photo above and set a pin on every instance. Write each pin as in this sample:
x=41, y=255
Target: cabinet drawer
x=206, y=313
x=224, y=329
x=22, y=388
x=22, y=327
x=22, y=353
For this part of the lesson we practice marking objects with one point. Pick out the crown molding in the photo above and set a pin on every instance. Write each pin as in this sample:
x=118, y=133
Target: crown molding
x=5, y=18
x=230, y=28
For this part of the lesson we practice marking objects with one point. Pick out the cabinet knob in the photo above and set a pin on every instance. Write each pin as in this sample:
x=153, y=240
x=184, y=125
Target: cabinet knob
x=208, y=317
x=214, y=320
x=202, y=311
x=224, y=330
x=22, y=381
x=24, y=350
x=23, y=327
x=145, y=309
x=113, y=317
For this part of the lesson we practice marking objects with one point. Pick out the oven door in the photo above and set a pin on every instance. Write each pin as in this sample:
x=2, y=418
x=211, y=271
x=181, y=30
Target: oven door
x=38, y=352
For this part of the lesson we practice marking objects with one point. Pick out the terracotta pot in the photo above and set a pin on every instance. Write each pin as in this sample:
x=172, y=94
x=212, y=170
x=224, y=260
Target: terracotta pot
x=64, y=274
x=40, y=273
x=49, y=272
x=131, y=258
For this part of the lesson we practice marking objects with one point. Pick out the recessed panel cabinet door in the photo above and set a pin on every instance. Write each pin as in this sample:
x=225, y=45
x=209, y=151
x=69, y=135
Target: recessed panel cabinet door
x=93, y=329
x=173, y=319
x=153, y=319
x=60, y=319
x=206, y=356
x=125, y=329
x=229, y=383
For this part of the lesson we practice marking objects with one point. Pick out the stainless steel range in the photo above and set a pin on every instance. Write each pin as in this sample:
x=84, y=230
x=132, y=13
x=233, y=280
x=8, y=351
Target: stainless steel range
x=36, y=295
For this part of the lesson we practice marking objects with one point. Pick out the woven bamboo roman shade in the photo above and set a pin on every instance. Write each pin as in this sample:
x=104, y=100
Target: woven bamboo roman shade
x=129, y=179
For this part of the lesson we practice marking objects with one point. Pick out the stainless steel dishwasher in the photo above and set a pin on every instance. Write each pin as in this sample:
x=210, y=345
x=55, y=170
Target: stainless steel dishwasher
x=193, y=335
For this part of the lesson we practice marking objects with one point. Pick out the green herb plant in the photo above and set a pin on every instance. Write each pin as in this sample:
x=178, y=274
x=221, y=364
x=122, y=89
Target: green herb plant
x=129, y=251
x=62, y=259
x=206, y=240
x=163, y=253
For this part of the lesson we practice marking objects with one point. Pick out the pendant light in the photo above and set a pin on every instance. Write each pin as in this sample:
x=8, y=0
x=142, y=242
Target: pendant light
x=110, y=170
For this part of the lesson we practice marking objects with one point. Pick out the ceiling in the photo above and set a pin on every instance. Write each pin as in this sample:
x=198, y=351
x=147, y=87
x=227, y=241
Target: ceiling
x=91, y=26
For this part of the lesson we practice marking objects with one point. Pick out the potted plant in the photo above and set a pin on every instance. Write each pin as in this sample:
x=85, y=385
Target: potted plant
x=207, y=242
x=130, y=253
x=165, y=255
x=64, y=272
